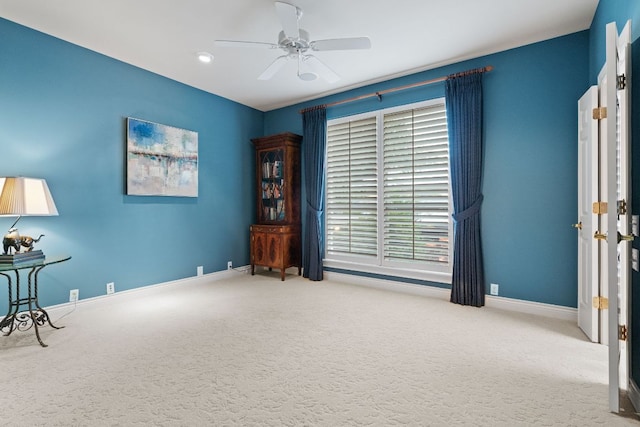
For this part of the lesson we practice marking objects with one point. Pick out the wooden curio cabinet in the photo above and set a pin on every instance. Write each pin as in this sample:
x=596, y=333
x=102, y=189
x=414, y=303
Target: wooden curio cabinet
x=276, y=238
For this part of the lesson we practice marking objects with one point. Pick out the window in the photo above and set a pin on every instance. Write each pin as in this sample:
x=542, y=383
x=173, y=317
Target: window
x=388, y=194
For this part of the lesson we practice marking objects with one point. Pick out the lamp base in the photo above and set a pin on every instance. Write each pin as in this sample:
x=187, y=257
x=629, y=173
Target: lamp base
x=22, y=258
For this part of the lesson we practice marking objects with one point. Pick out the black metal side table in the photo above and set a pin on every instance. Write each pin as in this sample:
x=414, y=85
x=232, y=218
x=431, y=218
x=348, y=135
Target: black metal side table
x=31, y=313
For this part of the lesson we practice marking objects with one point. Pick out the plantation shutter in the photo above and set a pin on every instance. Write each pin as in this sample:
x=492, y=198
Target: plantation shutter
x=351, y=197
x=416, y=185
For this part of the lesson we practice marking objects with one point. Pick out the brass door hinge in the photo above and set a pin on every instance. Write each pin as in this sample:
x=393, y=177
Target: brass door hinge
x=600, y=208
x=622, y=207
x=600, y=303
x=622, y=332
x=599, y=113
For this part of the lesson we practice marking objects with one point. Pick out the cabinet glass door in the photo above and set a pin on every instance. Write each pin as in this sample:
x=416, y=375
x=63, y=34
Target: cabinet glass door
x=272, y=208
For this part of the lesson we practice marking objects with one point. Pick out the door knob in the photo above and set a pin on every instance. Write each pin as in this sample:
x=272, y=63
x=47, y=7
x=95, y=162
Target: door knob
x=627, y=238
x=578, y=225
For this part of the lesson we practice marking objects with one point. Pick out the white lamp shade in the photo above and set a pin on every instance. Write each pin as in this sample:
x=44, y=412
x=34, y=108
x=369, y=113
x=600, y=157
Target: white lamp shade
x=21, y=196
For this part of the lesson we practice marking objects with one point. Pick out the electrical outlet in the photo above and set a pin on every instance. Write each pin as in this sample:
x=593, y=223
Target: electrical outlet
x=111, y=288
x=229, y=265
x=199, y=271
x=494, y=289
x=74, y=295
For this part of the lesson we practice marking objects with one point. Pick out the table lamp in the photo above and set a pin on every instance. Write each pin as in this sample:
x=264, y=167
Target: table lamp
x=20, y=196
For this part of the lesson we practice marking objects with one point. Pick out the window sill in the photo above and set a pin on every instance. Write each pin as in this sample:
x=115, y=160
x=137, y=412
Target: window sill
x=429, y=276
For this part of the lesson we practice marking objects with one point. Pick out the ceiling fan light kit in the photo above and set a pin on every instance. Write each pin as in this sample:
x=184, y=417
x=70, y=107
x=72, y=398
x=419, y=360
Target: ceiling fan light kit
x=307, y=77
x=303, y=74
x=295, y=42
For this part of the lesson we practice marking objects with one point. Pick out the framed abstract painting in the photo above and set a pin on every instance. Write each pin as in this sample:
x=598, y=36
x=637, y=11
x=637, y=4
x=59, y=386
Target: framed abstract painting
x=161, y=160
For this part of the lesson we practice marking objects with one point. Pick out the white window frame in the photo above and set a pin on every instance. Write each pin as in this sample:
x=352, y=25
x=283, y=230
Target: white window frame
x=378, y=265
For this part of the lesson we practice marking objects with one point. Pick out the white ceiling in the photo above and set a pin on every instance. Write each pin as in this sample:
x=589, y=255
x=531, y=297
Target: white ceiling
x=407, y=36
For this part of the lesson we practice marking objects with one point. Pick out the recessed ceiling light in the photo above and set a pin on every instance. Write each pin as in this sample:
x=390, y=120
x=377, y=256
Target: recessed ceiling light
x=205, y=57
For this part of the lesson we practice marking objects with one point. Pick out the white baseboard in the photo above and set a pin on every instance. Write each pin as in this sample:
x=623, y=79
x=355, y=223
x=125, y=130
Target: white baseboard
x=218, y=275
x=537, y=308
x=530, y=307
x=541, y=309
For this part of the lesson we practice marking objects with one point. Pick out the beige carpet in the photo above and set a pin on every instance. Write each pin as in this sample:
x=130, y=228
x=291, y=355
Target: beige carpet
x=255, y=351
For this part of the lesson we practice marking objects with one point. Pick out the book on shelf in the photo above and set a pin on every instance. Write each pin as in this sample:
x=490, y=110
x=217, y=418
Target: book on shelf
x=22, y=257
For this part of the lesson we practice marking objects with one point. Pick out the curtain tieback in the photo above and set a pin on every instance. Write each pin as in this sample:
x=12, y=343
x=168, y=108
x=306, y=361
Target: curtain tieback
x=313, y=211
x=472, y=210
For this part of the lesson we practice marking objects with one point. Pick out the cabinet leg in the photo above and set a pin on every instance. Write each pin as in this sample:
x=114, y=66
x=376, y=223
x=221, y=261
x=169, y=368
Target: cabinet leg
x=253, y=269
x=299, y=271
x=282, y=271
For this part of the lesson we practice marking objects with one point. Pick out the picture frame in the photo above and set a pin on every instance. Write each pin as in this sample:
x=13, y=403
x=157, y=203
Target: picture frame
x=161, y=160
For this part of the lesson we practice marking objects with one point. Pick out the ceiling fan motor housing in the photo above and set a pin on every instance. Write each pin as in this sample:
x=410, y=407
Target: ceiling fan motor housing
x=294, y=45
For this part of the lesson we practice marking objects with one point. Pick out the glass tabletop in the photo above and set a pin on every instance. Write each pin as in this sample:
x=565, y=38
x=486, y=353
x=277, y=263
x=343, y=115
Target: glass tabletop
x=30, y=264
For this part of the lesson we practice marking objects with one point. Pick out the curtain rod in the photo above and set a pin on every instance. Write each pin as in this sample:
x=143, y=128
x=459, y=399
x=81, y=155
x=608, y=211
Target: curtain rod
x=399, y=88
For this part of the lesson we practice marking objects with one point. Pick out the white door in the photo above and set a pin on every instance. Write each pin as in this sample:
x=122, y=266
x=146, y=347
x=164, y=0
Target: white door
x=624, y=193
x=588, y=283
x=603, y=191
x=614, y=183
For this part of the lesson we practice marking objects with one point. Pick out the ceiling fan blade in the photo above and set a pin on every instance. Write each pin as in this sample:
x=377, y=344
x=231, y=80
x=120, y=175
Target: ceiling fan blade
x=238, y=43
x=342, y=44
x=273, y=68
x=288, y=15
x=320, y=68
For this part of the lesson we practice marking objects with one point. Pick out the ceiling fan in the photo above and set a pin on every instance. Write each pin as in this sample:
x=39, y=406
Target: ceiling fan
x=295, y=42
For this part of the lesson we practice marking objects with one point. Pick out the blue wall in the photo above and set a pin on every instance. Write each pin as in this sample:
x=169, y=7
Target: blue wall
x=62, y=117
x=530, y=181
